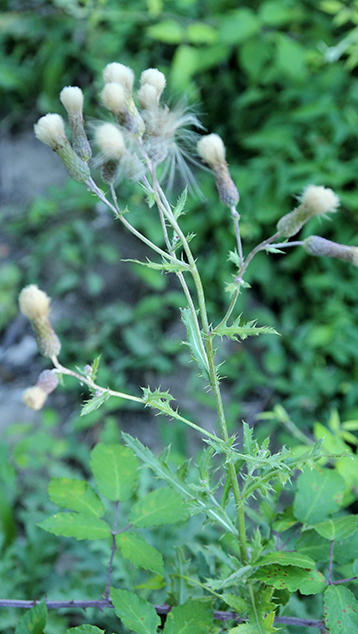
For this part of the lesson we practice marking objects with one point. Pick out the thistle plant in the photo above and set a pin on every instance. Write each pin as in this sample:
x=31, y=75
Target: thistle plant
x=260, y=556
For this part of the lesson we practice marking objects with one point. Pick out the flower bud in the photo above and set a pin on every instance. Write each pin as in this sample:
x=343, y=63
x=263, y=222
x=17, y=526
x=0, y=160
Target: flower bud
x=212, y=150
x=111, y=143
x=35, y=397
x=34, y=304
x=50, y=129
x=72, y=99
x=315, y=201
x=114, y=98
x=320, y=247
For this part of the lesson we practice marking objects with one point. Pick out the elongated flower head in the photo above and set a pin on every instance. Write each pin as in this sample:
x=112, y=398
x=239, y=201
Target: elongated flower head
x=35, y=305
x=119, y=74
x=50, y=129
x=320, y=247
x=319, y=200
x=114, y=98
x=110, y=141
x=211, y=149
x=72, y=99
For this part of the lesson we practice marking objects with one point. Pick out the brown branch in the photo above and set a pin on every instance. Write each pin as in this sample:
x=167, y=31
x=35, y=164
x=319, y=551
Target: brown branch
x=102, y=604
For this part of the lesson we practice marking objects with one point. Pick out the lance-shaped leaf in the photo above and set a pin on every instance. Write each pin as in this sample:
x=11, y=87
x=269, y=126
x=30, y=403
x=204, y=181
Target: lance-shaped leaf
x=239, y=331
x=292, y=578
x=115, y=469
x=338, y=528
x=168, y=266
x=33, y=621
x=193, y=617
x=195, y=342
x=139, y=552
x=94, y=403
x=162, y=506
x=76, y=525
x=340, y=610
x=135, y=613
x=319, y=493
x=76, y=495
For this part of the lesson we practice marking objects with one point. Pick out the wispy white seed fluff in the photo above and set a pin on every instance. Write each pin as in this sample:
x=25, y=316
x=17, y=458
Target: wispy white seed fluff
x=71, y=98
x=113, y=97
x=50, y=129
x=211, y=149
x=147, y=96
x=110, y=141
x=155, y=78
x=319, y=200
x=120, y=74
x=33, y=302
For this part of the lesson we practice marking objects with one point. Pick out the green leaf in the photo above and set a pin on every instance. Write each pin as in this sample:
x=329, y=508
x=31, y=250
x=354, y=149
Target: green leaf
x=84, y=629
x=237, y=331
x=236, y=603
x=76, y=495
x=94, y=403
x=179, y=207
x=135, y=613
x=339, y=528
x=169, y=31
x=140, y=553
x=195, y=342
x=33, y=621
x=238, y=25
x=292, y=578
x=291, y=57
x=115, y=469
x=340, y=610
x=76, y=525
x=287, y=559
x=170, y=267
x=201, y=33
x=162, y=506
x=193, y=617
x=319, y=493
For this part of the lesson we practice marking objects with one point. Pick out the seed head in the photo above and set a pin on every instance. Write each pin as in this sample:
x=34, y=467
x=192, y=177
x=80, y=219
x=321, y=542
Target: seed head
x=110, y=141
x=148, y=96
x=50, y=129
x=72, y=99
x=319, y=200
x=114, y=98
x=211, y=149
x=34, y=397
x=119, y=74
x=153, y=77
x=34, y=304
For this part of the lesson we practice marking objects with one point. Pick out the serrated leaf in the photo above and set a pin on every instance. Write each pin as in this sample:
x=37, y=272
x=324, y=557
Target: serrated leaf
x=195, y=343
x=76, y=495
x=287, y=559
x=84, y=629
x=162, y=506
x=115, y=469
x=193, y=617
x=339, y=528
x=170, y=267
x=33, y=621
x=292, y=578
x=340, y=610
x=319, y=493
x=179, y=207
x=94, y=403
x=140, y=553
x=135, y=613
x=76, y=525
x=236, y=603
x=237, y=331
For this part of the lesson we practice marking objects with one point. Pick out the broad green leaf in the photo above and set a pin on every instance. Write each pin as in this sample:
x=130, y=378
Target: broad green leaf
x=287, y=559
x=238, y=25
x=33, y=621
x=193, y=617
x=313, y=545
x=237, y=331
x=162, y=506
x=236, y=603
x=139, y=552
x=94, y=403
x=319, y=493
x=76, y=525
x=214, y=513
x=76, y=495
x=115, y=469
x=201, y=33
x=292, y=578
x=135, y=613
x=340, y=610
x=169, y=31
x=195, y=342
x=339, y=528
x=184, y=64
x=85, y=629
x=291, y=57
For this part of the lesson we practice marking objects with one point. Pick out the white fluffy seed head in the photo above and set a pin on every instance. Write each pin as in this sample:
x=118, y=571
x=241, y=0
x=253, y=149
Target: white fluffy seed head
x=34, y=397
x=211, y=149
x=155, y=78
x=319, y=200
x=119, y=74
x=33, y=302
x=113, y=97
x=71, y=98
x=110, y=141
x=147, y=96
x=50, y=129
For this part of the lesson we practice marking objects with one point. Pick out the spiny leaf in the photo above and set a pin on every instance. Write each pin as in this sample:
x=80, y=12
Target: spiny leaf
x=170, y=267
x=237, y=331
x=195, y=343
x=94, y=403
x=179, y=207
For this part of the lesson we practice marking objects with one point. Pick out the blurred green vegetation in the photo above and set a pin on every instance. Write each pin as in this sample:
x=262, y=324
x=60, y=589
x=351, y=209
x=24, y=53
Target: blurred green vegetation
x=289, y=118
